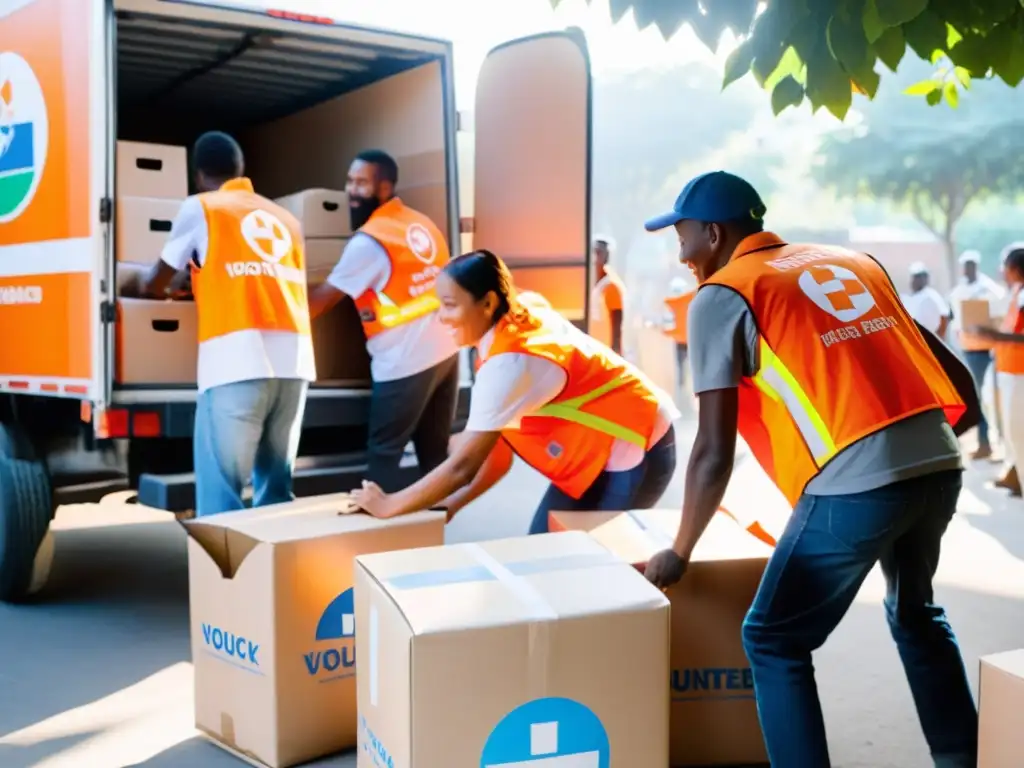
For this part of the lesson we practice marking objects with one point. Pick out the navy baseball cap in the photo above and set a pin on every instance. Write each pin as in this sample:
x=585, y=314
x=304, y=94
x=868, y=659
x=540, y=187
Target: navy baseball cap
x=714, y=197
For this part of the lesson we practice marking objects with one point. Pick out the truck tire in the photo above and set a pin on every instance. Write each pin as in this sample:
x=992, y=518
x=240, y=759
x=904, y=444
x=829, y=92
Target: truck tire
x=26, y=508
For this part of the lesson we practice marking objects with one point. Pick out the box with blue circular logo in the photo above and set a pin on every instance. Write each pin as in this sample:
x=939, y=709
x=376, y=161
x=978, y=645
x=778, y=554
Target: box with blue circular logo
x=537, y=652
x=713, y=712
x=274, y=631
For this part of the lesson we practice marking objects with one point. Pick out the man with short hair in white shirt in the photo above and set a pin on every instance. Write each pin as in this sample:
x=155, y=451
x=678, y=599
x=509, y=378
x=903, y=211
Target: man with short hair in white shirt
x=388, y=268
x=924, y=303
x=255, y=360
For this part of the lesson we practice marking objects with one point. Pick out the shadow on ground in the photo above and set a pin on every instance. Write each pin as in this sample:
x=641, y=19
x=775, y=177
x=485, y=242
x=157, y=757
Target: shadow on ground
x=1005, y=517
x=116, y=614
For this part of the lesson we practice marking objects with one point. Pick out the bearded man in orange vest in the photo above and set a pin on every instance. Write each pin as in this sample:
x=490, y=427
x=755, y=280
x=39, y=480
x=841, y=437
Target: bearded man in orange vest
x=246, y=256
x=853, y=410
x=389, y=268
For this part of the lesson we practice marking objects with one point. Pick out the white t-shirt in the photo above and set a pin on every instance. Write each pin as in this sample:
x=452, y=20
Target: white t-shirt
x=243, y=355
x=511, y=386
x=927, y=307
x=399, y=352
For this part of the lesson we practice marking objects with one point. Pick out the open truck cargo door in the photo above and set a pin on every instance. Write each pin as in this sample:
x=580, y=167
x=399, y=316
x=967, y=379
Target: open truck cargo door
x=53, y=181
x=532, y=165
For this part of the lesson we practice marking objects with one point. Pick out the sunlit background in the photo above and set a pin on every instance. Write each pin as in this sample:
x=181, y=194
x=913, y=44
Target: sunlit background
x=660, y=117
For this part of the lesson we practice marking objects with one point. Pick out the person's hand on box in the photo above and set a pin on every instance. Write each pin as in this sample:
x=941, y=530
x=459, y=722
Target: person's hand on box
x=665, y=569
x=372, y=499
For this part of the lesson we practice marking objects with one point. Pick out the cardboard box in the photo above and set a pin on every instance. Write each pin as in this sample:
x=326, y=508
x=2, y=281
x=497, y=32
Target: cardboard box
x=272, y=623
x=322, y=212
x=713, y=712
x=323, y=254
x=543, y=651
x=339, y=343
x=157, y=342
x=975, y=312
x=143, y=225
x=151, y=170
x=1001, y=695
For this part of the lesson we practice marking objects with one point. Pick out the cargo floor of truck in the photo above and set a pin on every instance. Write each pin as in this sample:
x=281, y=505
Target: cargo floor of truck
x=313, y=476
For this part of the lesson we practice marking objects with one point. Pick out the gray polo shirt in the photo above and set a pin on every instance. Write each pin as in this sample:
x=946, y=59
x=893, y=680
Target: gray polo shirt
x=724, y=343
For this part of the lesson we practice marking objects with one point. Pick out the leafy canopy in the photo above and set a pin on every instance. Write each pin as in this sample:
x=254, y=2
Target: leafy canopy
x=823, y=51
x=934, y=169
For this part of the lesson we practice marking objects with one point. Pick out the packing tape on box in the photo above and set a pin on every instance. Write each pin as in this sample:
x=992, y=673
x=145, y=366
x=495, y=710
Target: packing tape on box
x=751, y=526
x=656, y=533
x=538, y=642
x=511, y=575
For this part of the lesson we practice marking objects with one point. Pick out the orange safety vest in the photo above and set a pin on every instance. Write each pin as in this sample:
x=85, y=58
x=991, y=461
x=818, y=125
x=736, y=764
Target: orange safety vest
x=570, y=439
x=1009, y=355
x=609, y=296
x=840, y=358
x=418, y=252
x=254, y=274
x=679, y=306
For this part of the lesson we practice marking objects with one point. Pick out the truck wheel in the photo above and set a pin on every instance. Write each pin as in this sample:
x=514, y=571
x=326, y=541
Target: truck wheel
x=26, y=508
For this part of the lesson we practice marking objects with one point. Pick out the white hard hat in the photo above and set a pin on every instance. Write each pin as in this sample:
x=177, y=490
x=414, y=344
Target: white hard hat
x=677, y=286
x=970, y=257
x=918, y=268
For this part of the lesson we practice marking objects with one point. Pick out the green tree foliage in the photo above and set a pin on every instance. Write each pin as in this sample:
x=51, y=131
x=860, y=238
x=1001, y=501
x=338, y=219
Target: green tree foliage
x=934, y=168
x=649, y=126
x=824, y=51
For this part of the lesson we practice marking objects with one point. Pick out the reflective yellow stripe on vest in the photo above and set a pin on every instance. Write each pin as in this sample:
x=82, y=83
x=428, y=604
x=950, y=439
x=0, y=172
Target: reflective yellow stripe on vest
x=569, y=410
x=775, y=380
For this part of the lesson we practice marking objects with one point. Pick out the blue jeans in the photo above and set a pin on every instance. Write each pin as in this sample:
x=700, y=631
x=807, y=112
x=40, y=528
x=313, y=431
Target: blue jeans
x=247, y=430
x=637, y=488
x=978, y=361
x=822, y=558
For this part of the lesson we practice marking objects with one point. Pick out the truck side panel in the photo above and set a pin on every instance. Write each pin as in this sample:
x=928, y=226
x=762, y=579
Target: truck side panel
x=51, y=249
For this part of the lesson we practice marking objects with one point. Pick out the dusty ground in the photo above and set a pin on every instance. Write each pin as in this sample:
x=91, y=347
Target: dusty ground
x=98, y=674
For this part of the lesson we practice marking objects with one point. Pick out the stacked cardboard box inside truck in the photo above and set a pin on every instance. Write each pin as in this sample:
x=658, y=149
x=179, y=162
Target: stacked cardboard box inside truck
x=338, y=334
x=156, y=339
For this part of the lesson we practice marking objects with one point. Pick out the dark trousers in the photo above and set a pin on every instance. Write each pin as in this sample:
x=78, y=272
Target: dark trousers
x=978, y=361
x=420, y=408
x=638, y=488
x=828, y=548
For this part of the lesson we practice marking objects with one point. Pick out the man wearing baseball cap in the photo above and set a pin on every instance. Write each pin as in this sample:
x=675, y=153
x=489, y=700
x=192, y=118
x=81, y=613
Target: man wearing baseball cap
x=852, y=410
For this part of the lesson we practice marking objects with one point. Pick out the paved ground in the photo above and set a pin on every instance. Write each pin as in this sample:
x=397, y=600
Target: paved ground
x=98, y=675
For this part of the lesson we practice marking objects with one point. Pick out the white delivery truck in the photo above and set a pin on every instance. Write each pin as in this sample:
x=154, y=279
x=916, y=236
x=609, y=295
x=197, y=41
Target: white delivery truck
x=96, y=94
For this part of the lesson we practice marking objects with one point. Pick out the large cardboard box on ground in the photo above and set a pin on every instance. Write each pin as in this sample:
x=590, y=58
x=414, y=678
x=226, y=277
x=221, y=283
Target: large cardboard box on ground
x=544, y=651
x=714, y=715
x=157, y=342
x=143, y=225
x=1001, y=729
x=272, y=623
x=151, y=170
x=322, y=212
